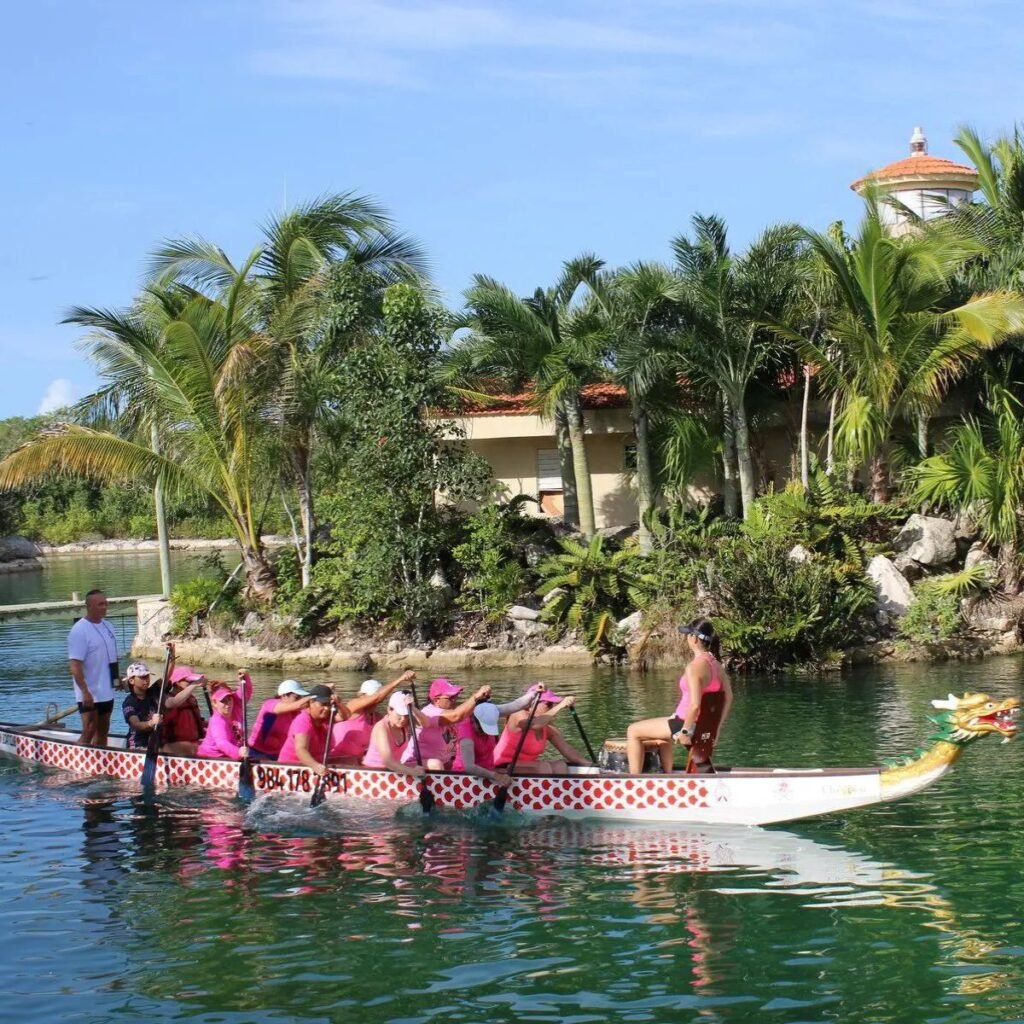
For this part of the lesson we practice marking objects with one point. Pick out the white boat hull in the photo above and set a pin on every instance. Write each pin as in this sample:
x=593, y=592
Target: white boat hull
x=732, y=796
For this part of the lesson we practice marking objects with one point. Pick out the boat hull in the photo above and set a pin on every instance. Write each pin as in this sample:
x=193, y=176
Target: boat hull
x=732, y=796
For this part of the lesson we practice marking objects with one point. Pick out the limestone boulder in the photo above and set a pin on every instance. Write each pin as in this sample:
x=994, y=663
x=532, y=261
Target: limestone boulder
x=894, y=595
x=520, y=613
x=979, y=555
x=798, y=553
x=996, y=614
x=155, y=614
x=14, y=548
x=927, y=540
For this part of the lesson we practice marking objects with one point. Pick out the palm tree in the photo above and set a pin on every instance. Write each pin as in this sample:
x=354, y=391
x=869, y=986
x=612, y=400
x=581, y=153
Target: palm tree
x=549, y=342
x=728, y=301
x=982, y=473
x=894, y=348
x=318, y=276
x=641, y=306
x=197, y=382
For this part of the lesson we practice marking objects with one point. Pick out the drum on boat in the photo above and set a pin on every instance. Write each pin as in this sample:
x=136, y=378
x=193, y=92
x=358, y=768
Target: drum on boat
x=612, y=756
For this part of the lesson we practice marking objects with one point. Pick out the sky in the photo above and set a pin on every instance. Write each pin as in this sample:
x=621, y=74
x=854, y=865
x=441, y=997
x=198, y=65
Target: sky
x=506, y=137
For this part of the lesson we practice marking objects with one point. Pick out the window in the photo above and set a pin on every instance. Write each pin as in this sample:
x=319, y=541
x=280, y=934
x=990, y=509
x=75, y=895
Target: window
x=549, y=470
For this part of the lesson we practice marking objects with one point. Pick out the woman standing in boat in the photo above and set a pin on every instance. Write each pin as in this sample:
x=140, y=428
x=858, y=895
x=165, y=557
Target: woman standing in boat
x=704, y=674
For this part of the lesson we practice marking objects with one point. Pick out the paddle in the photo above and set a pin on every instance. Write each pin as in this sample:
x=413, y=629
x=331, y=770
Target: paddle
x=426, y=797
x=319, y=796
x=48, y=721
x=501, y=797
x=153, y=746
x=246, y=787
x=583, y=735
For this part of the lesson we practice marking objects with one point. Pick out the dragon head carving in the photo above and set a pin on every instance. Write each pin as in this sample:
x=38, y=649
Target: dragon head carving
x=976, y=714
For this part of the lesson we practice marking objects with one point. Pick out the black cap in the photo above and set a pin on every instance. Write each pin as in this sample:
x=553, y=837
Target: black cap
x=694, y=631
x=321, y=693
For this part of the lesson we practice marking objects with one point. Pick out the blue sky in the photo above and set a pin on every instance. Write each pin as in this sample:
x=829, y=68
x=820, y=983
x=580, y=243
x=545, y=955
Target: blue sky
x=506, y=137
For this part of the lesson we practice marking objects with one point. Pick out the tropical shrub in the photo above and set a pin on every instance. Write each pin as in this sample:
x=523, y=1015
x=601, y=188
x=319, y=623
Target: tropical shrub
x=595, y=587
x=213, y=593
x=932, y=616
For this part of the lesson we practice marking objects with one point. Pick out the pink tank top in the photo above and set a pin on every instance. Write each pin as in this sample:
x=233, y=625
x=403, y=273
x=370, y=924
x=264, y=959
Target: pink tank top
x=352, y=738
x=532, y=746
x=373, y=758
x=684, y=688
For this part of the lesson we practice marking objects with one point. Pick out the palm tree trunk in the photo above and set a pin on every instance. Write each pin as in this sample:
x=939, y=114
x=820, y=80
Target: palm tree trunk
x=805, y=455
x=259, y=576
x=644, y=477
x=581, y=466
x=880, y=488
x=570, y=500
x=729, y=489
x=304, y=487
x=1009, y=566
x=922, y=435
x=830, y=465
x=162, y=541
x=744, y=463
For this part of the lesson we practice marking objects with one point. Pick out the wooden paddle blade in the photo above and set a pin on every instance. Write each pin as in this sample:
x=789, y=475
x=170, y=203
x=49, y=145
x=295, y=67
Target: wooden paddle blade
x=319, y=794
x=246, y=787
x=426, y=799
x=149, y=768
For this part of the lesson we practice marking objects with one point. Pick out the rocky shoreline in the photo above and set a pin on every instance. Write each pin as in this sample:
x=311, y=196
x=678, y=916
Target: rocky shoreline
x=19, y=554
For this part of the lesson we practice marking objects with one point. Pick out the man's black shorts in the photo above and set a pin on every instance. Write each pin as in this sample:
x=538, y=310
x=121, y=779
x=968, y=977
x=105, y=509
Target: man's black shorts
x=102, y=707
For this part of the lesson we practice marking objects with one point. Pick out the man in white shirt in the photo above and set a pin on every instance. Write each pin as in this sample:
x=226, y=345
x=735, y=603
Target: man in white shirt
x=92, y=653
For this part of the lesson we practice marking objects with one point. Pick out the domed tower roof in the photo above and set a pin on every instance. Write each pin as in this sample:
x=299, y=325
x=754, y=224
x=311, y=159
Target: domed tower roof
x=919, y=170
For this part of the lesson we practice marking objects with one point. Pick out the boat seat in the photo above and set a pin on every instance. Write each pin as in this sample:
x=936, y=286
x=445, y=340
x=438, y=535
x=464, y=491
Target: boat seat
x=705, y=732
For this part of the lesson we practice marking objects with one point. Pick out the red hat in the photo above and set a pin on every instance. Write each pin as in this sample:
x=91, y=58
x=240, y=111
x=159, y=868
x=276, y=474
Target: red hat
x=443, y=688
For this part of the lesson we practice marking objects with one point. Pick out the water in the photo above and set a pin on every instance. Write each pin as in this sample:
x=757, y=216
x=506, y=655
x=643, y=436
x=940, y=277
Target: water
x=192, y=907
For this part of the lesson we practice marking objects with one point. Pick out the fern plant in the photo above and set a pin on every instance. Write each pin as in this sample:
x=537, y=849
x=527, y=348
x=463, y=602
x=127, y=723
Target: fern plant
x=595, y=586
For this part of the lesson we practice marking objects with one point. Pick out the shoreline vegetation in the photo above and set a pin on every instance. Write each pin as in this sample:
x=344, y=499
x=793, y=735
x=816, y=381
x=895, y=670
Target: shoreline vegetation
x=315, y=389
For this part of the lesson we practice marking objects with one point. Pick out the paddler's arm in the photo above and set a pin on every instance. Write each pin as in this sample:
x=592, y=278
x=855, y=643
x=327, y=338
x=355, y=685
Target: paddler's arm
x=465, y=709
x=364, y=701
x=305, y=757
x=512, y=706
x=565, y=748
x=541, y=720
x=697, y=674
x=470, y=767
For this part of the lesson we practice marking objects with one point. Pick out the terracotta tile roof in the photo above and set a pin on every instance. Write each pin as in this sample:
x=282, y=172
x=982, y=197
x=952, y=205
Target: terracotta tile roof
x=594, y=396
x=918, y=167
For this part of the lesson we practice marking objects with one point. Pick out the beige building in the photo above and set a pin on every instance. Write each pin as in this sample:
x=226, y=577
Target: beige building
x=520, y=446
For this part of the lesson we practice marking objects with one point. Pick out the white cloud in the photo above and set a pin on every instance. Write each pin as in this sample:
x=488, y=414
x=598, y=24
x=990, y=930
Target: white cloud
x=59, y=393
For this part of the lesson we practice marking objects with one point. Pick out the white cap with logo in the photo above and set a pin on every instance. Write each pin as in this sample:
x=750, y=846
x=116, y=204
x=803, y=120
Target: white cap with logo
x=292, y=686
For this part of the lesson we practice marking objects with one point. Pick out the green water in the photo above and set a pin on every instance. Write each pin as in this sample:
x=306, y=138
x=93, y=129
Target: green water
x=192, y=907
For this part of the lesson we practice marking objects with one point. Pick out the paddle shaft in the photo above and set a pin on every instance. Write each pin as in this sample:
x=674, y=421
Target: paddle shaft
x=153, y=746
x=318, y=790
x=583, y=735
x=53, y=720
x=246, y=789
x=502, y=795
x=426, y=797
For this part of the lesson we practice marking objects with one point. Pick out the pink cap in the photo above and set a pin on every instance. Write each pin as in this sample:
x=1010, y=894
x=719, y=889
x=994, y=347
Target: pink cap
x=547, y=697
x=443, y=688
x=185, y=674
x=223, y=693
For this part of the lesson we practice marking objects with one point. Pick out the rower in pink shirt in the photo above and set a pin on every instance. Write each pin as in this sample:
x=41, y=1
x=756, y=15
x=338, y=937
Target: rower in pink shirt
x=224, y=736
x=477, y=736
x=270, y=730
x=350, y=739
x=309, y=733
x=437, y=739
x=391, y=734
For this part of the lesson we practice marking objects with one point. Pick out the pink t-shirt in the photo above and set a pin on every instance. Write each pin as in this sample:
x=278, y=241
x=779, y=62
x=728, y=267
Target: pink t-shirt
x=270, y=729
x=437, y=740
x=316, y=738
x=223, y=738
x=483, y=746
x=373, y=758
x=352, y=738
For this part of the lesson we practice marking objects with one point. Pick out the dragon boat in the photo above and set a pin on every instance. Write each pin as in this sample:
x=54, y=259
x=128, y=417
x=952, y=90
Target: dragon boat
x=737, y=796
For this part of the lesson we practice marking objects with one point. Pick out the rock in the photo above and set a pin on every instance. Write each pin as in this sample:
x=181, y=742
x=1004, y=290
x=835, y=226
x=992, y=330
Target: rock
x=617, y=534
x=928, y=540
x=14, y=548
x=631, y=623
x=894, y=593
x=393, y=646
x=996, y=614
x=155, y=614
x=519, y=612
x=552, y=594
x=964, y=527
x=911, y=570
x=440, y=582
x=979, y=555
x=252, y=623
x=527, y=627
x=798, y=553
x=477, y=645
x=534, y=554
x=365, y=662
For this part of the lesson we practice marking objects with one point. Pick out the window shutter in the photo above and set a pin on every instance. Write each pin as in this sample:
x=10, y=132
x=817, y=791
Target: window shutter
x=549, y=470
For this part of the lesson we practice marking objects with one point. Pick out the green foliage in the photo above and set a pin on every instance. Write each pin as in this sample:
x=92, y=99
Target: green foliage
x=772, y=610
x=192, y=599
x=598, y=587
x=934, y=615
x=490, y=557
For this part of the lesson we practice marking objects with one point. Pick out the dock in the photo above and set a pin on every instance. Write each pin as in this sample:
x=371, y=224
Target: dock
x=24, y=611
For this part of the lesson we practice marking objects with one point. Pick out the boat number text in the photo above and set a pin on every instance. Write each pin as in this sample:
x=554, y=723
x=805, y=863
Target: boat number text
x=293, y=780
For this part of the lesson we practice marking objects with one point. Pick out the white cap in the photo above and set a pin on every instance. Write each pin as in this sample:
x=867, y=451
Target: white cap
x=292, y=686
x=370, y=687
x=487, y=715
x=399, y=703
x=137, y=668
